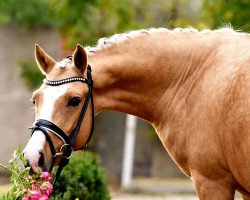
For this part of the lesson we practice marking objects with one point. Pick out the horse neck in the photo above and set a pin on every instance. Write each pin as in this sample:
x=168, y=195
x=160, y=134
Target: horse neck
x=140, y=75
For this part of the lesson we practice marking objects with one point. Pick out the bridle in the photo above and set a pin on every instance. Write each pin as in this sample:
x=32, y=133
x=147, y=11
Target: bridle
x=44, y=125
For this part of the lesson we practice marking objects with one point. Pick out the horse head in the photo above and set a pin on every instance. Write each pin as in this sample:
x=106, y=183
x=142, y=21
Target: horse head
x=63, y=114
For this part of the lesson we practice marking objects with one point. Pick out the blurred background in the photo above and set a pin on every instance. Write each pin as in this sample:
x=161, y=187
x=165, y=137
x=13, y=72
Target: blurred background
x=58, y=25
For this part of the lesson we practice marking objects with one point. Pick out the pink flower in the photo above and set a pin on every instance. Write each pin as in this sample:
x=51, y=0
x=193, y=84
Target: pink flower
x=46, y=175
x=35, y=194
x=46, y=188
x=33, y=188
x=40, y=189
x=44, y=198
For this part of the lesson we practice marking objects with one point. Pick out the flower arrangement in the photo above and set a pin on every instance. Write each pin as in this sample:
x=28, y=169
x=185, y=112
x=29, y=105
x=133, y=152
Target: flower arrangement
x=25, y=186
x=83, y=178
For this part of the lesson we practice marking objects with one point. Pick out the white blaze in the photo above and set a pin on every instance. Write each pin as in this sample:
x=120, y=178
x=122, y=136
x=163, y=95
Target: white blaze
x=34, y=147
x=50, y=96
x=37, y=141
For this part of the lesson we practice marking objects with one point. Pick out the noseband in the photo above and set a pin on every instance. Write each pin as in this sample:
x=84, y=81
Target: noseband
x=44, y=125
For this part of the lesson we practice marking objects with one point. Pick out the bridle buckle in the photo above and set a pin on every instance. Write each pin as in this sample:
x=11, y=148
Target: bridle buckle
x=67, y=150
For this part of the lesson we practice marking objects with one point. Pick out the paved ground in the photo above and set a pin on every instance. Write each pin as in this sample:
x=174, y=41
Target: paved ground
x=125, y=196
x=157, y=189
x=162, y=186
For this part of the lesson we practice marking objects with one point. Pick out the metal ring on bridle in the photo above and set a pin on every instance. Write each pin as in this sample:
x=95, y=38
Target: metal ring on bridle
x=61, y=153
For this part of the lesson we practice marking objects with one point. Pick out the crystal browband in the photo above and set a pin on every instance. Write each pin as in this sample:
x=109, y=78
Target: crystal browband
x=64, y=81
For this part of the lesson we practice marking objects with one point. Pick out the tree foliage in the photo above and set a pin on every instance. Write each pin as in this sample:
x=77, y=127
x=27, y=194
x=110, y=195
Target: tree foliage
x=219, y=13
x=85, y=21
x=70, y=17
x=25, y=13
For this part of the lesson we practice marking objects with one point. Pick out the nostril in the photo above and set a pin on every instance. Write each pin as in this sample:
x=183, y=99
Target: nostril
x=41, y=161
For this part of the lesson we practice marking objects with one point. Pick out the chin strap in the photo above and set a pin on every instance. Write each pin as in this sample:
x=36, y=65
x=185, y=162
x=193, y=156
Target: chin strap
x=44, y=125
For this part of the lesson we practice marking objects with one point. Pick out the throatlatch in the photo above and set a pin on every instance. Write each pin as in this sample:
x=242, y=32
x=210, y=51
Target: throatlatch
x=44, y=125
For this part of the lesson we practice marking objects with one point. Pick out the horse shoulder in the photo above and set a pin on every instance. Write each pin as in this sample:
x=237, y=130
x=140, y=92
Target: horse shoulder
x=235, y=126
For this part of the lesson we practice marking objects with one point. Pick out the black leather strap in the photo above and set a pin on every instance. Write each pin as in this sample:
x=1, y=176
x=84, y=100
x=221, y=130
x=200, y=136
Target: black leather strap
x=89, y=96
x=64, y=161
x=90, y=80
x=65, y=158
x=53, y=128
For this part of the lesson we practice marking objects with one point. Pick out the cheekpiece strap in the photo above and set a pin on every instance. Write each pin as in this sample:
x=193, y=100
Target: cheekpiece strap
x=64, y=81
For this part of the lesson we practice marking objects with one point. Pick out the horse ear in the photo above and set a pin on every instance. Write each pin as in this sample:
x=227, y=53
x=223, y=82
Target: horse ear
x=44, y=61
x=80, y=58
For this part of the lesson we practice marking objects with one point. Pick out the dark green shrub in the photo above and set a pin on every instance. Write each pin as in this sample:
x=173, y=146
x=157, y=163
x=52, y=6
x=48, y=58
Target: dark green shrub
x=83, y=178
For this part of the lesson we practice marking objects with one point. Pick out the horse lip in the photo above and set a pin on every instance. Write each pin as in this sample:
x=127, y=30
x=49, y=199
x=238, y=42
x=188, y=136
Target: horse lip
x=34, y=170
x=31, y=169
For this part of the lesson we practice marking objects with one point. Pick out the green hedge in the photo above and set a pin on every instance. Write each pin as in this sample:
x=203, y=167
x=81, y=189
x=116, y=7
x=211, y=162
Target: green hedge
x=83, y=178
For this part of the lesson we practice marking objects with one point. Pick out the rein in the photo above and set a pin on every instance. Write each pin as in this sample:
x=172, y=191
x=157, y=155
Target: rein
x=44, y=125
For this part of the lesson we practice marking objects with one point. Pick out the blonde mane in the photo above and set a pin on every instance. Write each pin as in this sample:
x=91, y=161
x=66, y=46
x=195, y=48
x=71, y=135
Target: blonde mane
x=118, y=38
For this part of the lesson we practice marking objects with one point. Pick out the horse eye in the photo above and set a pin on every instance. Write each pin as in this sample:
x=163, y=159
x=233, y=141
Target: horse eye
x=33, y=101
x=75, y=101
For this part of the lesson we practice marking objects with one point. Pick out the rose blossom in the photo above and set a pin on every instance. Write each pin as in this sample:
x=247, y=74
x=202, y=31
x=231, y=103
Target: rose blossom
x=46, y=175
x=44, y=198
x=41, y=188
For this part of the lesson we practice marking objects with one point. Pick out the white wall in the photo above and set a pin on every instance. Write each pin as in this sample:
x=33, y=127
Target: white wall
x=15, y=113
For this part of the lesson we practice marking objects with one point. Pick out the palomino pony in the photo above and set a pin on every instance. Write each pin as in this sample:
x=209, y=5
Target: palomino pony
x=192, y=86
